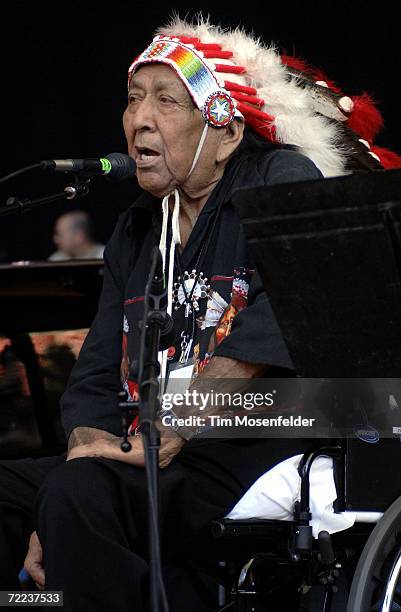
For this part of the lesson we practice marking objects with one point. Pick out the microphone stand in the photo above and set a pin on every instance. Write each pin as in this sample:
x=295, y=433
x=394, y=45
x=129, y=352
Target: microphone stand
x=71, y=192
x=155, y=320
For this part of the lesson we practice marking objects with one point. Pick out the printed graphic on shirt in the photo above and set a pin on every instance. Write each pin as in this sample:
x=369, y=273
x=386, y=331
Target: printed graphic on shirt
x=189, y=291
x=219, y=316
x=211, y=320
x=130, y=386
x=216, y=305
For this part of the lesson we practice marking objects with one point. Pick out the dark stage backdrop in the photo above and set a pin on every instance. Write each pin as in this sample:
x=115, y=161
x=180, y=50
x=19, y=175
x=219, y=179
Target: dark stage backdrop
x=64, y=71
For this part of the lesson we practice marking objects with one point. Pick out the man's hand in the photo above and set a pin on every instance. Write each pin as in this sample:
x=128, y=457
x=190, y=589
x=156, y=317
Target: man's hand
x=110, y=449
x=33, y=561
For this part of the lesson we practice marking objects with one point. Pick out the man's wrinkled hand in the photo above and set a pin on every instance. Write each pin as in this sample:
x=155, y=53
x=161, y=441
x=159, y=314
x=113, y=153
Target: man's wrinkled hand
x=33, y=561
x=110, y=449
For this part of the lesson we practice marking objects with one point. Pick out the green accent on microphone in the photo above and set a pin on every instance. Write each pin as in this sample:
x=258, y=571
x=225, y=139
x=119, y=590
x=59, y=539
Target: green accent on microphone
x=106, y=165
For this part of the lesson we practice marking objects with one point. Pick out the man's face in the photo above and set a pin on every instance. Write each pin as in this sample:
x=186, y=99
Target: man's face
x=163, y=129
x=65, y=236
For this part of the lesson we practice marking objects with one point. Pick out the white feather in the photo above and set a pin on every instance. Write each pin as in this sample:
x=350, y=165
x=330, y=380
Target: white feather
x=296, y=121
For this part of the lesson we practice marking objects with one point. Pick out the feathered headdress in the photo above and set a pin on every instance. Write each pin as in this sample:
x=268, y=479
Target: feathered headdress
x=231, y=74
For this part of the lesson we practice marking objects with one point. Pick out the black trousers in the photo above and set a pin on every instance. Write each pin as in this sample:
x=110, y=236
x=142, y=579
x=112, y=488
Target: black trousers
x=91, y=518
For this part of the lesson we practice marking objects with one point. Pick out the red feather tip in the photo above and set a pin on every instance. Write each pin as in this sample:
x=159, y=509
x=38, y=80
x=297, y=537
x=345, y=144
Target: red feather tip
x=267, y=131
x=319, y=75
x=365, y=119
x=295, y=62
x=388, y=159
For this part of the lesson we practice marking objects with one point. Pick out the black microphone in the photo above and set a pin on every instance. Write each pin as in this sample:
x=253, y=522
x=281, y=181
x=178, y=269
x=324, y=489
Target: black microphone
x=115, y=166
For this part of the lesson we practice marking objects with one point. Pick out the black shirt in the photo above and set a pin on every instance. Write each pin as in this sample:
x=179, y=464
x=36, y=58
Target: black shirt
x=235, y=318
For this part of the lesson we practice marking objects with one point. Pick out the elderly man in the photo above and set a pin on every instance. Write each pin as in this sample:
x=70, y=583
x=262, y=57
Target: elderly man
x=189, y=132
x=73, y=236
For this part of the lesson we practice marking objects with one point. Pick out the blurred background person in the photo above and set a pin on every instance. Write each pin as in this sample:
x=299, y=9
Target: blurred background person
x=74, y=238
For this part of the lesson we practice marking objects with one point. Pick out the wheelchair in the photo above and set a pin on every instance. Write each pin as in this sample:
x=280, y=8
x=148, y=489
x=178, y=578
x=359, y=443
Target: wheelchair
x=266, y=565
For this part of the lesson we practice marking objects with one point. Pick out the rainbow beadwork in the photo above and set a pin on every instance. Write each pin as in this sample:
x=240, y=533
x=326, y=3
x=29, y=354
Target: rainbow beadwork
x=191, y=69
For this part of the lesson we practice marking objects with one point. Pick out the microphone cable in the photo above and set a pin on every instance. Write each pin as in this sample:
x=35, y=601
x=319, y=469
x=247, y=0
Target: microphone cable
x=21, y=171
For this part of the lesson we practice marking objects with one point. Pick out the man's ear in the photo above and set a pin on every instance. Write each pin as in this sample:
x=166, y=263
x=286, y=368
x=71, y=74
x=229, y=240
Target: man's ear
x=230, y=140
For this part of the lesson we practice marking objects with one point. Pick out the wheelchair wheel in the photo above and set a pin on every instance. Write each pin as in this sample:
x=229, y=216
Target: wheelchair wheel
x=376, y=586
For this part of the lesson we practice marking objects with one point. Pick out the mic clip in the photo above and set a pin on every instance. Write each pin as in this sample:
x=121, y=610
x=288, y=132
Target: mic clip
x=128, y=410
x=78, y=190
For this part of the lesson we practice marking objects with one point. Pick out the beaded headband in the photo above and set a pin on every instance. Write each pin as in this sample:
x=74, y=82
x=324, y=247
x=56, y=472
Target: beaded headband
x=215, y=103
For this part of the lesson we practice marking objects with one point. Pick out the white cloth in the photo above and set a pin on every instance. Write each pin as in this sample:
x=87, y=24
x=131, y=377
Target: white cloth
x=273, y=496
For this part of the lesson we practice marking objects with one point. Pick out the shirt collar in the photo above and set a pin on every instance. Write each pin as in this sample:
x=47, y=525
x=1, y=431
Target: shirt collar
x=145, y=209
